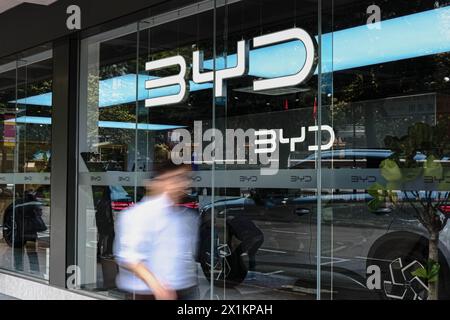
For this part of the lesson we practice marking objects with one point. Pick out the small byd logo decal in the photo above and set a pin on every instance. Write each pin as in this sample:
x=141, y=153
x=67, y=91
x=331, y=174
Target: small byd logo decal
x=241, y=147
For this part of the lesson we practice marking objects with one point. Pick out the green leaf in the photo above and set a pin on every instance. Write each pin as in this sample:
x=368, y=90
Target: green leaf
x=374, y=204
x=421, y=273
x=434, y=272
x=430, y=273
x=396, y=185
x=375, y=190
x=393, y=196
x=390, y=170
x=433, y=278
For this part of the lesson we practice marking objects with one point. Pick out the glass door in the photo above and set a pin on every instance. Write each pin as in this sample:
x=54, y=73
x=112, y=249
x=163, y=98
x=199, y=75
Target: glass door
x=174, y=130
x=266, y=121
x=384, y=217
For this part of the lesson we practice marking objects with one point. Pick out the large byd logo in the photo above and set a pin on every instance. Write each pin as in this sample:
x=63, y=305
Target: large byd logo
x=263, y=145
x=220, y=76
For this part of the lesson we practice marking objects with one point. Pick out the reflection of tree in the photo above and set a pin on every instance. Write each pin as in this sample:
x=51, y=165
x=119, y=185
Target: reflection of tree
x=32, y=139
x=40, y=87
x=120, y=113
x=355, y=91
x=162, y=153
x=127, y=113
x=432, y=143
x=92, y=106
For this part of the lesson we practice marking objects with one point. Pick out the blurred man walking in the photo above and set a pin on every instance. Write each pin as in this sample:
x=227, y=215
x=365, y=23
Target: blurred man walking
x=156, y=242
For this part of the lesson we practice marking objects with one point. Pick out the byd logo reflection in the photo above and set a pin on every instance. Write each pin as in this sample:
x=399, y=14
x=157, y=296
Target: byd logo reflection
x=199, y=75
x=301, y=178
x=248, y=179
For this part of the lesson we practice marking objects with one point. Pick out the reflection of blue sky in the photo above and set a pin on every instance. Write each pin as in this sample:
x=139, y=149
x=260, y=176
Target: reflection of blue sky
x=101, y=124
x=406, y=37
x=122, y=89
x=119, y=90
x=410, y=36
x=269, y=62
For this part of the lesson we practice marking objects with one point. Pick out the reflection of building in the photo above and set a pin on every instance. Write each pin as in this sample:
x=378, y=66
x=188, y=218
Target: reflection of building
x=380, y=117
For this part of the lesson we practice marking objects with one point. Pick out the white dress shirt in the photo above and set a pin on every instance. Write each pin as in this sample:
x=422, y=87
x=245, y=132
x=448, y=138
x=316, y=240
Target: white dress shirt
x=161, y=236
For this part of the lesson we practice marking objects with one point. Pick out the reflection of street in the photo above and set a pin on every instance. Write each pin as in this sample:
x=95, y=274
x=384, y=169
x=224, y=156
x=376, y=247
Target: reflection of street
x=262, y=285
x=25, y=235
x=269, y=286
x=351, y=235
x=281, y=234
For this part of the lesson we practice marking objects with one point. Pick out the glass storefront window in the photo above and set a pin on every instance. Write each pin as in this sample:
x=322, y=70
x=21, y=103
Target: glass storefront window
x=352, y=200
x=122, y=139
x=385, y=179
x=26, y=102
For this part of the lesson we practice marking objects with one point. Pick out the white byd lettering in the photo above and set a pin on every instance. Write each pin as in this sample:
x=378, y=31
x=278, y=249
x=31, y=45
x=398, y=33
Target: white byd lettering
x=330, y=142
x=167, y=81
x=240, y=146
x=222, y=75
x=269, y=139
x=242, y=66
x=301, y=75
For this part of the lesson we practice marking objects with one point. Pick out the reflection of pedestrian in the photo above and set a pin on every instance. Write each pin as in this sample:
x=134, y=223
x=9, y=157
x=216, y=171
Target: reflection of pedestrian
x=251, y=238
x=105, y=224
x=22, y=222
x=338, y=141
x=156, y=242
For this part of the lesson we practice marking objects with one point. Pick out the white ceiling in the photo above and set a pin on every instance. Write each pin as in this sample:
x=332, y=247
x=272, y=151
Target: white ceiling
x=8, y=4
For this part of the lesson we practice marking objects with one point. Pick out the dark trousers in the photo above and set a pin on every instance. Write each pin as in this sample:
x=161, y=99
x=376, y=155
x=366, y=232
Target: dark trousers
x=30, y=249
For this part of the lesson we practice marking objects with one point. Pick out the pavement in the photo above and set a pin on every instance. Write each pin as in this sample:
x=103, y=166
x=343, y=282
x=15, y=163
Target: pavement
x=5, y=297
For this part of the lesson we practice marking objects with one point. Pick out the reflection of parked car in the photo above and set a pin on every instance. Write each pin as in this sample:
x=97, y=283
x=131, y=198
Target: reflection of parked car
x=189, y=201
x=120, y=199
x=354, y=236
x=288, y=222
x=22, y=220
x=343, y=158
x=349, y=158
x=242, y=237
